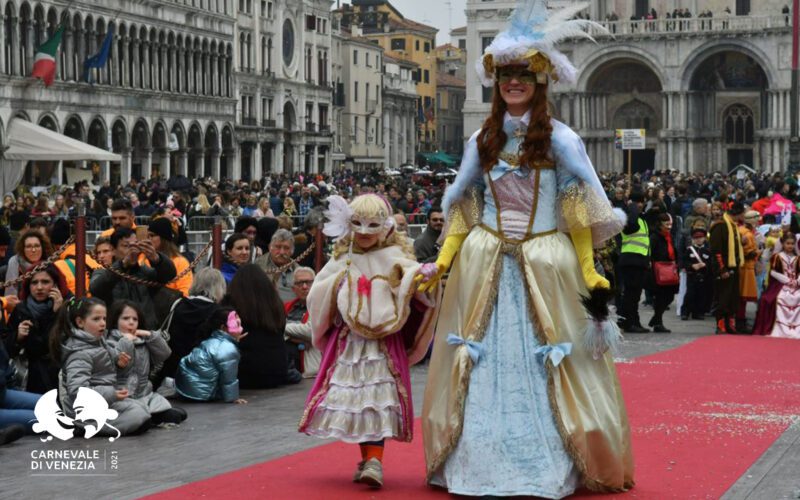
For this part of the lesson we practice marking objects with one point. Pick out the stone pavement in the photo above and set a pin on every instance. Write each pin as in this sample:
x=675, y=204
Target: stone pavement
x=222, y=437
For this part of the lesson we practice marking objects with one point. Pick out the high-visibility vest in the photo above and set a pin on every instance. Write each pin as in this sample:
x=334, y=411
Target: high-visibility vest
x=638, y=242
x=67, y=269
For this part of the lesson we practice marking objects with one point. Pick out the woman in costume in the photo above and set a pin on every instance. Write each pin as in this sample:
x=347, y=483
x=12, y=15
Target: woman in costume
x=371, y=323
x=779, y=308
x=522, y=395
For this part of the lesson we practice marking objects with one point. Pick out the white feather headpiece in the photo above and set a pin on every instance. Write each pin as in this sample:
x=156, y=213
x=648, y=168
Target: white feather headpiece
x=531, y=37
x=338, y=214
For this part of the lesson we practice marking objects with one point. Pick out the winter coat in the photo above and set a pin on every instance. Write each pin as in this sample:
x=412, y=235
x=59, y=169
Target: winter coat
x=209, y=372
x=425, y=246
x=42, y=369
x=145, y=353
x=185, y=330
x=87, y=361
x=228, y=271
x=110, y=287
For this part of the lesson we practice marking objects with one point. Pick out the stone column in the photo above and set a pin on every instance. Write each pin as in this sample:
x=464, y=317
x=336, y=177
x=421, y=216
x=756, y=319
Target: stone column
x=15, y=39
x=147, y=163
x=105, y=171
x=145, y=71
x=125, y=166
x=256, y=158
x=781, y=110
x=29, y=47
x=115, y=61
x=277, y=165
x=200, y=163
x=165, y=163
x=136, y=74
x=215, y=164
x=68, y=69
x=234, y=163
x=183, y=162
x=3, y=38
x=213, y=74
x=190, y=73
x=776, y=155
x=315, y=160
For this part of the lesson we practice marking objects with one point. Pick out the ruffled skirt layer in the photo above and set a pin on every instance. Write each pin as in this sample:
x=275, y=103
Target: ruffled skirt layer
x=361, y=403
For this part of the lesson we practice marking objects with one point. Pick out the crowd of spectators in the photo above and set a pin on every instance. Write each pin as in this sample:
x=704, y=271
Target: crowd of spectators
x=142, y=259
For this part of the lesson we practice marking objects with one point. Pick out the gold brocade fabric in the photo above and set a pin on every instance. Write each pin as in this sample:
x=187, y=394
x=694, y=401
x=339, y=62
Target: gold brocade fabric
x=584, y=394
x=582, y=208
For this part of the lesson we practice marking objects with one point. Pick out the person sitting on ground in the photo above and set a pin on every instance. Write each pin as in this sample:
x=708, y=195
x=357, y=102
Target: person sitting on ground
x=110, y=286
x=28, y=330
x=140, y=351
x=248, y=226
x=87, y=361
x=16, y=407
x=278, y=263
x=298, y=329
x=264, y=361
x=209, y=372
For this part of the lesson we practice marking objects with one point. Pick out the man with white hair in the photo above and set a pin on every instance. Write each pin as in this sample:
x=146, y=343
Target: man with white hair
x=699, y=216
x=298, y=329
x=278, y=263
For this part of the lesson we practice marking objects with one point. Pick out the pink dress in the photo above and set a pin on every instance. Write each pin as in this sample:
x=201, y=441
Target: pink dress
x=787, y=308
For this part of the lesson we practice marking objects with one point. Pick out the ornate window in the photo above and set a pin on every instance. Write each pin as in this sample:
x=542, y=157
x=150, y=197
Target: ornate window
x=739, y=125
x=635, y=114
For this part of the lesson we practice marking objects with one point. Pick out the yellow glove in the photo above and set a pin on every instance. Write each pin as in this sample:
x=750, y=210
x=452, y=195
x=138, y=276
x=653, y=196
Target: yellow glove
x=582, y=239
x=446, y=255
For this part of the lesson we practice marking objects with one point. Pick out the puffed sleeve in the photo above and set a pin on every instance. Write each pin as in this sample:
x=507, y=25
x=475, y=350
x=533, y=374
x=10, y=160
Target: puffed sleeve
x=462, y=202
x=582, y=202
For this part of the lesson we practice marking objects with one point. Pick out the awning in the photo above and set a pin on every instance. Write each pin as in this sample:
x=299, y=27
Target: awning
x=434, y=158
x=27, y=141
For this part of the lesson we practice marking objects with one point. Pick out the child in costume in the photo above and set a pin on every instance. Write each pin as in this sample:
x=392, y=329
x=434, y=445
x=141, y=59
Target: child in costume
x=371, y=323
x=779, y=308
x=523, y=397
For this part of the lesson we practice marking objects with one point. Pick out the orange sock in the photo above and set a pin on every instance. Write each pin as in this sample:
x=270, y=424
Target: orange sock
x=363, y=452
x=372, y=451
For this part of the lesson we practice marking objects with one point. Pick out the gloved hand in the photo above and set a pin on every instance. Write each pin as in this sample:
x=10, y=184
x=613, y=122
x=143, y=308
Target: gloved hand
x=446, y=255
x=582, y=239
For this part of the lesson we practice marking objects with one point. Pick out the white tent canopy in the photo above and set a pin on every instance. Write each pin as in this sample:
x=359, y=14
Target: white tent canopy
x=27, y=141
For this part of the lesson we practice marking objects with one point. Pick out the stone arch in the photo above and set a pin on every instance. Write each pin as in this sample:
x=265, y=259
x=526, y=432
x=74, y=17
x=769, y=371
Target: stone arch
x=141, y=148
x=25, y=20
x=177, y=137
x=623, y=52
x=97, y=134
x=713, y=47
x=39, y=26
x=74, y=128
x=23, y=115
x=228, y=153
x=49, y=121
x=119, y=135
x=635, y=114
x=76, y=62
x=728, y=70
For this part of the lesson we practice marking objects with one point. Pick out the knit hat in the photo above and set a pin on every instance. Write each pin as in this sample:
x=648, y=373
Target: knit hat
x=162, y=228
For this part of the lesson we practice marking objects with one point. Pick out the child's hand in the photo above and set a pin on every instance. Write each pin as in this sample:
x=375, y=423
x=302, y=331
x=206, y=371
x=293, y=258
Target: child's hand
x=240, y=401
x=239, y=337
x=123, y=359
x=129, y=336
x=121, y=394
x=142, y=333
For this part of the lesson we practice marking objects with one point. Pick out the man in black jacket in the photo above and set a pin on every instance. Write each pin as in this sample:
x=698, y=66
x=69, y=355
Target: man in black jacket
x=425, y=246
x=633, y=264
x=154, y=266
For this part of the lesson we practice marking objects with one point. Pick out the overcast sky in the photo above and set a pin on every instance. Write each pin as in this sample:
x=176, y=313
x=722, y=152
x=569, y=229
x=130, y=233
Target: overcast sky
x=441, y=14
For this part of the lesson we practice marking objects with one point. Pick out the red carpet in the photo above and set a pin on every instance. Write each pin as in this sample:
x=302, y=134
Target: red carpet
x=700, y=415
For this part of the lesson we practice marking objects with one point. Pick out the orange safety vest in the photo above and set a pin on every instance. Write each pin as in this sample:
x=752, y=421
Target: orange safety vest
x=183, y=284
x=67, y=269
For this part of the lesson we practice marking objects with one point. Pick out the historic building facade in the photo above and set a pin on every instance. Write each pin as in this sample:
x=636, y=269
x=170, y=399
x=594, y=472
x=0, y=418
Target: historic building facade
x=399, y=111
x=712, y=93
x=222, y=88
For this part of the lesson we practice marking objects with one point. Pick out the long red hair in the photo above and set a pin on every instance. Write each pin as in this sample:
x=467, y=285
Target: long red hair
x=535, y=147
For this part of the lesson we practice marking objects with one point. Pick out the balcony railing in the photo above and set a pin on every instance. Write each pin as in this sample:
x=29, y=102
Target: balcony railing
x=268, y=123
x=324, y=129
x=249, y=121
x=661, y=26
x=311, y=127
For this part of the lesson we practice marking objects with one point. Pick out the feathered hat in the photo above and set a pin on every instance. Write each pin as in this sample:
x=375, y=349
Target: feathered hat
x=531, y=37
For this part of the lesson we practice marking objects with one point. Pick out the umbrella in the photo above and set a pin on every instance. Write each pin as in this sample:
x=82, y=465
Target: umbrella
x=778, y=205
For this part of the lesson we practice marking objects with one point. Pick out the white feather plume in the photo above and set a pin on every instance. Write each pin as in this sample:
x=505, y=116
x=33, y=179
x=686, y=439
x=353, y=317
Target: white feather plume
x=338, y=214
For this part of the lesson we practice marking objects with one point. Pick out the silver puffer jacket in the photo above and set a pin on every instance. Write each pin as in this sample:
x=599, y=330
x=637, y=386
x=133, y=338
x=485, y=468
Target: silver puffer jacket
x=210, y=371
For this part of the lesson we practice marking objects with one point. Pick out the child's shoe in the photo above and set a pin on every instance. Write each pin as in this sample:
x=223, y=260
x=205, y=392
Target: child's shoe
x=357, y=475
x=372, y=473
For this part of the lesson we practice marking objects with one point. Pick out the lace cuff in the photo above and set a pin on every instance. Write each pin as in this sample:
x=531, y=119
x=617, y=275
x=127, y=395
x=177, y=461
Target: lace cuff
x=464, y=214
x=580, y=207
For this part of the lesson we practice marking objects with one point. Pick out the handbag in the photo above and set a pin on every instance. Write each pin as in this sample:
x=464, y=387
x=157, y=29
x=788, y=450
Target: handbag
x=666, y=273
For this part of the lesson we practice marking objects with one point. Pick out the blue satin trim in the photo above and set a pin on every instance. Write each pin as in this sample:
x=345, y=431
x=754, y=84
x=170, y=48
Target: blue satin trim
x=556, y=352
x=502, y=168
x=474, y=349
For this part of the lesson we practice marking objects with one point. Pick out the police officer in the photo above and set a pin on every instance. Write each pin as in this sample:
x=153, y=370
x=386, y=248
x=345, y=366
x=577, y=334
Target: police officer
x=634, y=263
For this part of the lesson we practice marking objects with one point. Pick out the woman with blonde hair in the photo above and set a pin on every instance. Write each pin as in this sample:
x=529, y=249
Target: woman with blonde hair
x=522, y=397
x=289, y=207
x=263, y=209
x=371, y=323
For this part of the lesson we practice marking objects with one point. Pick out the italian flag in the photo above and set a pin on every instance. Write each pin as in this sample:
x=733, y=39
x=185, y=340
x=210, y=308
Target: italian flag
x=44, y=64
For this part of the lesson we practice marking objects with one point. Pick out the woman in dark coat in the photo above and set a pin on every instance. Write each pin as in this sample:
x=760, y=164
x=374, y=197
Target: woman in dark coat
x=28, y=331
x=264, y=361
x=662, y=249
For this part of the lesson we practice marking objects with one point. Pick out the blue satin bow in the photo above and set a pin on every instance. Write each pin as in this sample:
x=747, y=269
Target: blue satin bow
x=474, y=349
x=502, y=168
x=556, y=352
